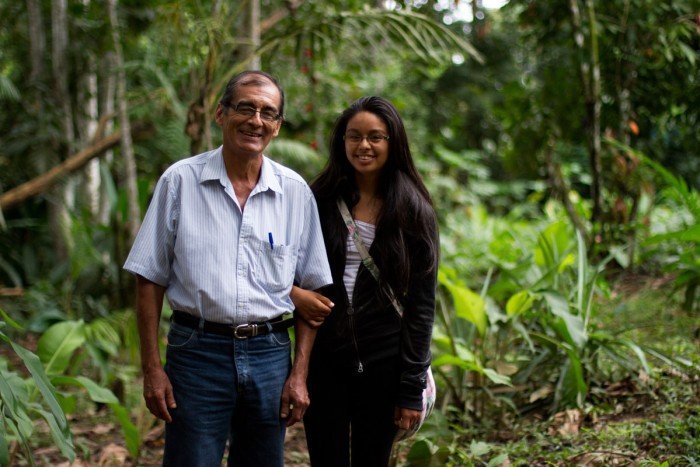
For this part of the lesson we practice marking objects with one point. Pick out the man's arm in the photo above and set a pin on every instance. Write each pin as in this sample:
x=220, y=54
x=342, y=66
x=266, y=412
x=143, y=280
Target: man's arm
x=157, y=390
x=295, y=396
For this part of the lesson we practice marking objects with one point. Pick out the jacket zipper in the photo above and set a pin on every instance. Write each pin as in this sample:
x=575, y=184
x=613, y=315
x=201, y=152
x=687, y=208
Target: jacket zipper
x=351, y=315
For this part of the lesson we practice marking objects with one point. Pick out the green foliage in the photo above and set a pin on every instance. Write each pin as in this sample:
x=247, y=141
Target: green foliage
x=678, y=245
x=519, y=323
x=19, y=404
x=533, y=326
x=54, y=365
x=299, y=156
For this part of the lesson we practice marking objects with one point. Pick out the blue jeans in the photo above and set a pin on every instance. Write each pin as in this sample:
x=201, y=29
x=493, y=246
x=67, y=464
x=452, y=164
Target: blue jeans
x=226, y=387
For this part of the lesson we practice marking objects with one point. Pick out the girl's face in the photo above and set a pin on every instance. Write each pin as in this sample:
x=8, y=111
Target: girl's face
x=367, y=144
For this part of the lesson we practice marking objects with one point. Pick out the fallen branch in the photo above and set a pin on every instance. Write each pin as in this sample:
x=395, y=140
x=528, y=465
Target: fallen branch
x=597, y=453
x=44, y=181
x=11, y=291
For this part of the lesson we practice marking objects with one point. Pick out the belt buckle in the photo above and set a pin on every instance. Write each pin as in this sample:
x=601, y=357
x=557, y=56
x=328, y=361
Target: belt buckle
x=241, y=327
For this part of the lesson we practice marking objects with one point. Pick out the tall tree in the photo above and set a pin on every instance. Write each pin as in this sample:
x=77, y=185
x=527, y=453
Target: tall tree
x=251, y=43
x=589, y=65
x=37, y=41
x=134, y=217
x=87, y=96
x=63, y=196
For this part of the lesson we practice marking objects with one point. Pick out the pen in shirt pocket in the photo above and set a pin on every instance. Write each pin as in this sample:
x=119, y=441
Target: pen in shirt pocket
x=272, y=242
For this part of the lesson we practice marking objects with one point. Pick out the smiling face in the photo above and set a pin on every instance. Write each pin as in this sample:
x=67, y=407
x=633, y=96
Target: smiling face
x=366, y=157
x=248, y=136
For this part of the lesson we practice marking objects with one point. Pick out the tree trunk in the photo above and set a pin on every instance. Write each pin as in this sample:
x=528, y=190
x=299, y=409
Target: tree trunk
x=37, y=41
x=252, y=42
x=589, y=70
x=134, y=220
x=107, y=106
x=59, y=217
x=198, y=126
x=594, y=116
x=625, y=71
x=91, y=186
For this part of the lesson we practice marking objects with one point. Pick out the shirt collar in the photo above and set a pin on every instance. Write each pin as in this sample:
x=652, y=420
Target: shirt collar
x=268, y=180
x=214, y=169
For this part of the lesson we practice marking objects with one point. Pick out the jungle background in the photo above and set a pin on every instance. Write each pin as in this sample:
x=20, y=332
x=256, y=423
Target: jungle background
x=559, y=140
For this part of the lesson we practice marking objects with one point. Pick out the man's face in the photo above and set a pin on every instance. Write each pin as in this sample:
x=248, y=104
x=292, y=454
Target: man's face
x=245, y=135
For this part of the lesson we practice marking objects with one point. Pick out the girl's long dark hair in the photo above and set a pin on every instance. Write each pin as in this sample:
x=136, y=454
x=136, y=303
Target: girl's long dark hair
x=407, y=213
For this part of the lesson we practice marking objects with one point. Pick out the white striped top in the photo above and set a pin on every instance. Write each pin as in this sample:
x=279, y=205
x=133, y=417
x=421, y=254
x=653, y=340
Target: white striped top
x=224, y=264
x=352, y=256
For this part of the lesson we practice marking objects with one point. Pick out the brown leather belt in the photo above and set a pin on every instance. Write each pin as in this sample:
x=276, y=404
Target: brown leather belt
x=240, y=331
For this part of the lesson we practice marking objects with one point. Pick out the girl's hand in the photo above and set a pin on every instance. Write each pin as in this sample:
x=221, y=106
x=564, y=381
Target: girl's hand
x=406, y=419
x=311, y=306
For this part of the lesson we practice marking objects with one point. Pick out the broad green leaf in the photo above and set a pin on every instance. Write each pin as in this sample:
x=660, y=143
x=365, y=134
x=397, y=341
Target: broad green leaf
x=574, y=384
x=689, y=52
x=62, y=438
x=9, y=320
x=525, y=334
x=469, y=306
x=637, y=351
x=691, y=234
x=552, y=243
x=496, y=377
x=4, y=451
x=581, y=270
x=102, y=334
x=95, y=391
x=567, y=261
x=23, y=439
x=420, y=453
x=14, y=397
x=519, y=303
x=57, y=344
x=669, y=359
x=131, y=433
x=68, y=402
x=499, y=460
x=453, y=360
x=559, y=326
x=620, y=254
x=42, y=382
x=465, y=354
x=574, y=327
x=479, y=448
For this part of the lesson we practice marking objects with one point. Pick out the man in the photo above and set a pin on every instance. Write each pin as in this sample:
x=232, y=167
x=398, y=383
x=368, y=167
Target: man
x=226, y=234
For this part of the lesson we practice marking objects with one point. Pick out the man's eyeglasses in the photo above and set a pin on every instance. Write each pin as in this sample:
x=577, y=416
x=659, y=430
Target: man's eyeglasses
x=247, y=110
x=356, y=138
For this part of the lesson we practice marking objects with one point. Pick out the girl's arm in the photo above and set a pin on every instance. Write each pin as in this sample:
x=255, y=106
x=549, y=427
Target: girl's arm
x=311, y=306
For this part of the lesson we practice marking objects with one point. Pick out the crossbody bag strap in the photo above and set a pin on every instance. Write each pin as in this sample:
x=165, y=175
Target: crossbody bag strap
x=364, y=253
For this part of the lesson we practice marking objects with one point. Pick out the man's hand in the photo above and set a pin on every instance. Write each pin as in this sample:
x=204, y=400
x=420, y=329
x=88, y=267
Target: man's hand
x=312, y=306
x=158, y=393
x=295, y=399
x=406, y=419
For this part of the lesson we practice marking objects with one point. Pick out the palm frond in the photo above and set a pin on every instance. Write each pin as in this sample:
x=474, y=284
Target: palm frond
x=296, y=155
x=8, y=90
x=369, y=29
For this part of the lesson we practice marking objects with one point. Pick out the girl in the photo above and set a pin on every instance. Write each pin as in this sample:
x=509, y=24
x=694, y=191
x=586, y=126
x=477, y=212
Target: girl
x=368, y=365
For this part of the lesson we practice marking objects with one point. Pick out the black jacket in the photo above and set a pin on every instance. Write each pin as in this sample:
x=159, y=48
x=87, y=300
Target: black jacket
x=371, y=331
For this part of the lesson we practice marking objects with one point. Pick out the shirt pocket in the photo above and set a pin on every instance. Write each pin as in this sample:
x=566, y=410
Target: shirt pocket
x=274, y=266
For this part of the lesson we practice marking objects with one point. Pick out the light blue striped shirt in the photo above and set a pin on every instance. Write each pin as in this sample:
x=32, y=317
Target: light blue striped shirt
x=220, y=263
